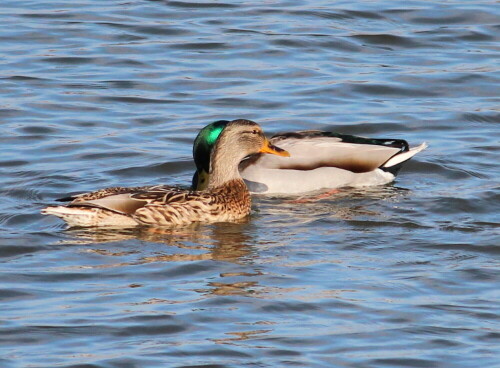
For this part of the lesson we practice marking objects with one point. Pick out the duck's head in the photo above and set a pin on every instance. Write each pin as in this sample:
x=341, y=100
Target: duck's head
x=224, y=142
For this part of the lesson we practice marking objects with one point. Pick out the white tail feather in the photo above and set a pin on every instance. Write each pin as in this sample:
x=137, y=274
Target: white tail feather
x=405, y=156
x=88, y=216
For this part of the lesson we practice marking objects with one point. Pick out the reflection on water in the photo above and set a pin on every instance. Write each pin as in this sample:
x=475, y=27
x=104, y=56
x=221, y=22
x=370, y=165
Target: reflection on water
x=340, y=204
x=220, y=242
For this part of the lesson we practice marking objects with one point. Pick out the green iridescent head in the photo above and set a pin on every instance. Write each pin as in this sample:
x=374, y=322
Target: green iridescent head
x=202, y=148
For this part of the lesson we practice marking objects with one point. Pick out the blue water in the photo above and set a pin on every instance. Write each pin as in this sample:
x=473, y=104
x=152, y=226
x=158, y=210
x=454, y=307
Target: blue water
x=105, y=93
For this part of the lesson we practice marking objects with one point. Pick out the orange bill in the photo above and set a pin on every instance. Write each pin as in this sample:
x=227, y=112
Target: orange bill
x=267, y=147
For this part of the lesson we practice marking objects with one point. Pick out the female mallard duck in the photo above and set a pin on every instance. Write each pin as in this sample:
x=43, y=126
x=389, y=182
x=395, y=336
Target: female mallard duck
x=225, y=198
x=319, y=160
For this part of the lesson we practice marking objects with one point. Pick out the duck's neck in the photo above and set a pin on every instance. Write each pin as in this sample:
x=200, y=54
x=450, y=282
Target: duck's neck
x=223, y=166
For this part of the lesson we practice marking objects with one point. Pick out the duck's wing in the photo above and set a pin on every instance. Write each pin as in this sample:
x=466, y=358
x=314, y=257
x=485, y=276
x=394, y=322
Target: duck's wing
x=312, y=134
x=310, y=150
x=127, y=201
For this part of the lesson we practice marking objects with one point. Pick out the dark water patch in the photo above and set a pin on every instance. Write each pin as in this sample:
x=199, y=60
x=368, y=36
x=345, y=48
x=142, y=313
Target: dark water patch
x=121, y=84
x=80, y=86
x=366, y=224
x=85, y=124
x=13, y=163
x=125, y=62
x=445, y=343
x=452, y=17
x=464, y=78
x=224, y=353
x=45, y=130
x=25, y=78
x=207, y=365
x=485, y=225
x=243, y=31
x=291, y=43
x=324, y=14
x=71, y=60
x=13, y=295
x=106, y=155
x=387, y=40
x=485, y=246
x=448, y=205
x=182, y=270
x=462, y=228
x=405, y=362
x=461, y=310
x=128, y=38
x=480, y=275
x=286, y=353
x=9, y=113
x=155, y=329
x=490, y=336
x=364, y=14
x=55, y=277
x=477, y=36
x=157, y=319
x=388, y=90
x=162, y=30
x=239, y=102
x=198, y=5
x=341, y=45
x=63, y=15
x=486, y=117
x=11, y=248
x=119, y=25
x=199, y=46
x=68, y=107
x=150, y=121
x=34, y=137
x=442, y=169
x=283, y=307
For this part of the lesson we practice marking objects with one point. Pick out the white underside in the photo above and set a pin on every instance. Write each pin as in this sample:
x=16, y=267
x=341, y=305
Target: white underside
x=81, y=216
x=269, y=181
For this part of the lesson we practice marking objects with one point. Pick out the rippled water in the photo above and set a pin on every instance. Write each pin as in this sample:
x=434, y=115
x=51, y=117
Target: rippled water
x=101, y=93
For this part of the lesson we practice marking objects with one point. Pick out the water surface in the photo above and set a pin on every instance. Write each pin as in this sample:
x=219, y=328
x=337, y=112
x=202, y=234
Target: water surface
x=98, y=94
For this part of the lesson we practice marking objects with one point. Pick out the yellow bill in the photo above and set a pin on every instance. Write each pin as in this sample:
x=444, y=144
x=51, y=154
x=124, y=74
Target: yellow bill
x=267, y=147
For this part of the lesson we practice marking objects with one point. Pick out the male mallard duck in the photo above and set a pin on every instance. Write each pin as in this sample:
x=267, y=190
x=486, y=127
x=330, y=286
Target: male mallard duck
x=319, y=160
x=225, y=198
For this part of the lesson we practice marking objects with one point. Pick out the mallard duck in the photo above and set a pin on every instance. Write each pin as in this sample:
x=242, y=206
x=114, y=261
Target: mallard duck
x=224, y=198
x=318, y=160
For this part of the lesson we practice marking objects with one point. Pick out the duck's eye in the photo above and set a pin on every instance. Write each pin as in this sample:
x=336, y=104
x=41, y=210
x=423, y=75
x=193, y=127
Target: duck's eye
x=255, y=131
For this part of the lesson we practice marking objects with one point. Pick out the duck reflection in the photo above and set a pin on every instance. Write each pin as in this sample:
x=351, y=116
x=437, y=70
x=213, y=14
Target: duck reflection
x=221, y=241
x=342, y=204
x=227, y=242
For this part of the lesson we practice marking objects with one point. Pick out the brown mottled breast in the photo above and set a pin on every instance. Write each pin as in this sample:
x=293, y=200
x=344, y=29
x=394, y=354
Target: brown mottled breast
x=233, y=197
